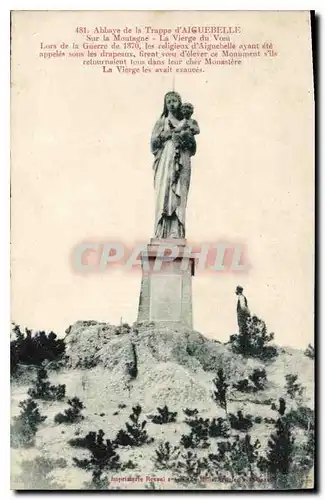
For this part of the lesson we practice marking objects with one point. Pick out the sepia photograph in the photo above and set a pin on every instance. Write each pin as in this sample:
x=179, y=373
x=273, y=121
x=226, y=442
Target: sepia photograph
x=162, y=250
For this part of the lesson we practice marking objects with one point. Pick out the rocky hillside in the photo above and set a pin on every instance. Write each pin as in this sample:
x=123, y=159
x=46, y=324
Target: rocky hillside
x=112, y=369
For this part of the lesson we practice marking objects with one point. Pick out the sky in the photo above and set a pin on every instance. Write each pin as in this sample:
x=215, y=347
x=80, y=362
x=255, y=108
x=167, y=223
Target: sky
x=82, y=171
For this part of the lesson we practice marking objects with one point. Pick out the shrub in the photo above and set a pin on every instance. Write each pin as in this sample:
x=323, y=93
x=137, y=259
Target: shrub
x=72, y=414
x=44, y=390
x=189, y=441
x=128, y=465
x=303, y=453
x=267, y=420
x=103, y=454
x=302, y=463
x=194, y=440
x=235, y=460
x=302, y=417
x=259, y=379
x=281, y=408
x=255, y=382
x=132, y=366
x=190, y=413
x=240, y=422
x=219, y=428
x=279, y=455
x=36, y=474
x=200, y=430
x=25, y=425
x=88, y=362
x=151, y=486
x=293, y=388
x=166, y=456
x=86, y=442
x=33, y=348
x=220, y=394
x=189, y=469
x=135, y=435
x=123, y=328
x=165, y=416
x=253, y=340
x=243, y=385
x=264, y=401
x=310, y=352
x=98, y=482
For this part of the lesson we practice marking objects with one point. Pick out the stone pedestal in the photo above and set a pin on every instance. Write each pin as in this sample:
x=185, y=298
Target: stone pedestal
x=166, y=286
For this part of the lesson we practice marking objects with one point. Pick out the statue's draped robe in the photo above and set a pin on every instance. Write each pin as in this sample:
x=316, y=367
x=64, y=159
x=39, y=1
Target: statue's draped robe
x=171, y=188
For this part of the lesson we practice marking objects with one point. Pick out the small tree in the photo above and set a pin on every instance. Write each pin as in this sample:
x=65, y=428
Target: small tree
x=44, y=390
x=190, y=413
x=301, y=417
x=98, y=482
x=136, y=434
x=25, y=425
x=310, y=352
x=220, y=394
x=166, y=456
x=280, y=451
x=235, y=460
x=36, y=474
x=219, y=428
x=281, y=409
x=259, y=379
x=199, y=435
x=34, y=347
x=190, y=468
x=164, y=416
x=243, y=385
x=86, y=442
x=240, y=422
x=255, y=382
x=103, y=455
x=132, y=366
x=253, y=340
x=72, y=414
x=293, y=388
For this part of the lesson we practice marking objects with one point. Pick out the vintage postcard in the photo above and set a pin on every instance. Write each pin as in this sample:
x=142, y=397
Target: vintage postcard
x=162, y=250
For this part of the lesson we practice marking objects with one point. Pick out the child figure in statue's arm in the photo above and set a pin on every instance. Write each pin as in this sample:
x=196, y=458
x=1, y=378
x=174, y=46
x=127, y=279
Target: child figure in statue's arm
x=188, y=124
x=184, y=133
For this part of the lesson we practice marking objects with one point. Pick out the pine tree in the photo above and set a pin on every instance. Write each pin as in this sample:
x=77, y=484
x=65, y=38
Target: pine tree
x=253, y=340
x=34, y=347
x=36, y=474
x=25, y=425
x=280, y=450
x=164, y=416
x=235, y=460
x=136, y=434
x=166, y=456
x=72, y=414
x=44, y=390
x=103, y=455
x=293, y=387
x=190, y=468
x=220, y=394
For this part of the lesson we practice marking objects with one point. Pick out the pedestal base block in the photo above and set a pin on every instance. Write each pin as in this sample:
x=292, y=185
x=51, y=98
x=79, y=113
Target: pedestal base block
x=166, y=286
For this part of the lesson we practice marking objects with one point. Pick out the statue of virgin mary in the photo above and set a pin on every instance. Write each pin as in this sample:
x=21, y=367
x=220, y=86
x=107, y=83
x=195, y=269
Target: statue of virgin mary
x=172, y=168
